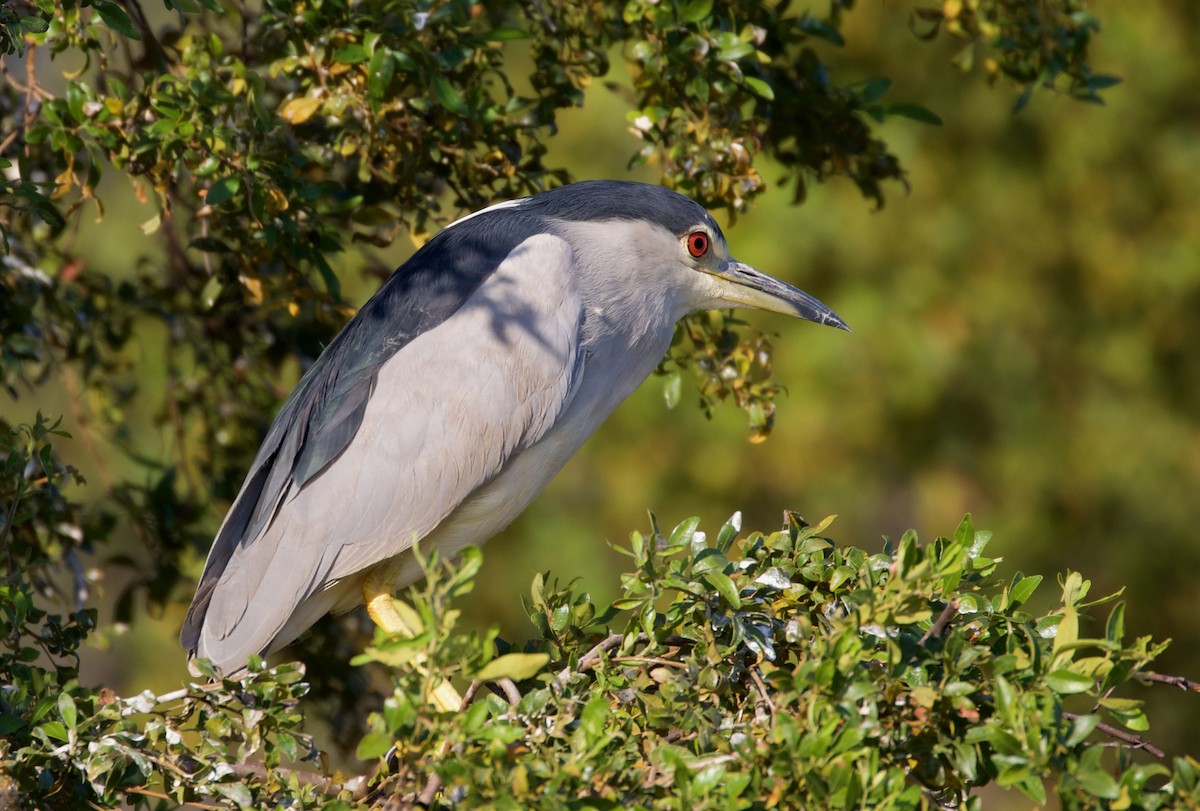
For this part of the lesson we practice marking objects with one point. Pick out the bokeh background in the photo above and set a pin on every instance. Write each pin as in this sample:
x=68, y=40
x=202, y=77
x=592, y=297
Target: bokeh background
x=1027, y=327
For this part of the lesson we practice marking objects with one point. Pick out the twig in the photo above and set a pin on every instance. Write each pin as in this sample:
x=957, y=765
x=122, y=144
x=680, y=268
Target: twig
x=762, y=697
x=501, y=687
x=510, y=691
x=1132, y=741
x=941, y=623
x=545, y=17
x=472, y=692
x=650, y=660
x=357, y=785
x=1174, y=681
x=432, y=786
x=160, y=796
x=592, y=657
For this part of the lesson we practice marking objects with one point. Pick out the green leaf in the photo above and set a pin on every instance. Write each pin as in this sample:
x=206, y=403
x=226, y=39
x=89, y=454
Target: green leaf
x=1102, y=81
x=914, y=111
x=683, y=533
x=1033, y=788
x=735, y=51
x=237, y=793
x=35, y=25
x=1099, y=783
x=728, y=533
x=874, y=89
x=820, y=29
x=1115, y=629
x=1006, y=701
x=67, y=711
x=373, y=745
x=721, y=583
x=515, y=666
x=1081, y=728
x=695, y=10
x=1066, y=682
x=1067, y=631
x=380, y=70
x=592, y=719
x=1022, y=590
x=116, y=18
x=223, y=190
x=760, y=88
x=673, y=389
x=448, y=96
x=350, y=54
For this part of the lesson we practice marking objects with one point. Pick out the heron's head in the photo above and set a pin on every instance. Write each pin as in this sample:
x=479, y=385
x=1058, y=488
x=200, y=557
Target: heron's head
x=630, y=237
x=644, y=229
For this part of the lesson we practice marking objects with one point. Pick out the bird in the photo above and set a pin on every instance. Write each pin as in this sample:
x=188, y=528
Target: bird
x=453, y=397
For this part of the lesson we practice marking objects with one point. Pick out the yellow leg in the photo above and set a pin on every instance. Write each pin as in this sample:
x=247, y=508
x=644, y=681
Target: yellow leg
x=381, y=607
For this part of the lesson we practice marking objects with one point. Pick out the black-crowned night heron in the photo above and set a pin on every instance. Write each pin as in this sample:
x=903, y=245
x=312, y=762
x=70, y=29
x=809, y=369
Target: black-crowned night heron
x=455, y=395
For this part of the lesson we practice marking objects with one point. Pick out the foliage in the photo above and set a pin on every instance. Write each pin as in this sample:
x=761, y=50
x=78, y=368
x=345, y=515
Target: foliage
x=1033, y=43
x=751, y=671
x=266, y=148
x=781, y=670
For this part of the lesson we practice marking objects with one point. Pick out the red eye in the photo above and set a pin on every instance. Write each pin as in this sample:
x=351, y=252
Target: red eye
x=697, y=243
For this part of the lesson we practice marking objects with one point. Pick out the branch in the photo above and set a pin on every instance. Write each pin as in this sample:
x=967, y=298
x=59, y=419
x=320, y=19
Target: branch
x=1133, y=741
x=505, y=688
x=1174, y=681
x=592, y=657
x=940, y=625
x=357, y=786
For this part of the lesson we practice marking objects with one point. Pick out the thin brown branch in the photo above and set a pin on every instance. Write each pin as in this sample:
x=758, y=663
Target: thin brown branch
x=1173, y=681
x=649, y=660
x=432, y=786
x=1129, y=740
x=357, y=785
x=592, y=657
x=940, y=625
x=762, y=698
x=161, y=796
x=472, y=693
x=511, y=693
x=550, y=26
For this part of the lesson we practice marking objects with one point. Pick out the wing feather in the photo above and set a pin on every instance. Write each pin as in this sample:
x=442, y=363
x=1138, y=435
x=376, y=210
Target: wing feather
x=435, y=421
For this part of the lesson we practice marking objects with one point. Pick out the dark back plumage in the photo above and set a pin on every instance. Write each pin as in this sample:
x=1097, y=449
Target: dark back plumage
x=594, y=200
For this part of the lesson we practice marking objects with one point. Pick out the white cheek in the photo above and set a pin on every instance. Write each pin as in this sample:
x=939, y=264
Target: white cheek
x=701, y=290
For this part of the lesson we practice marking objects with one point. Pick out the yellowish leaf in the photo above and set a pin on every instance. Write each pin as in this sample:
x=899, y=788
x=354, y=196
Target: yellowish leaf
x=254, y=287
x=297, y=111
x=515, y=666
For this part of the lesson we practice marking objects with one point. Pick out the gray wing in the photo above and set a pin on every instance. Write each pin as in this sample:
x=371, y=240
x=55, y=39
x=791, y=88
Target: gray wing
x=384, y=438
x=322, y=415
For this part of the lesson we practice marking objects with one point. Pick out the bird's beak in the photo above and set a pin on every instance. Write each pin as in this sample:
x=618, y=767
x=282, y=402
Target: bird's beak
x=747, y=287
